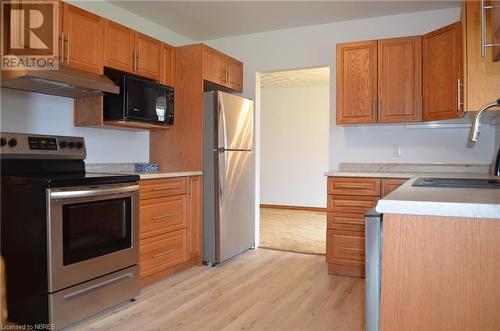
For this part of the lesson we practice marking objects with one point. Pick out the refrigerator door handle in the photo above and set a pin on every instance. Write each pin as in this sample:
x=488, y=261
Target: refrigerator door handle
x=222, y=129
x=222, y=175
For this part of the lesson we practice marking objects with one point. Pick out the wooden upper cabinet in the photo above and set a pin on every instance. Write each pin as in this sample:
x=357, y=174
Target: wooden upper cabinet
x=118, y=46
x=234, y=73
x=400, y=80
x=213, y=66
x=167, y=65
x=482, y=75
x=221, y=69
x=357, y=82
x=82, y=46
x=148, y=55
x=443, y=73
x=495, y=19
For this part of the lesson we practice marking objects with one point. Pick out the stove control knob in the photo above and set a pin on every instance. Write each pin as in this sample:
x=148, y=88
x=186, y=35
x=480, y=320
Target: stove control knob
x=71, y=145
x=12, y=142
x=78, y=144
x=3, y=141
x=63, y=144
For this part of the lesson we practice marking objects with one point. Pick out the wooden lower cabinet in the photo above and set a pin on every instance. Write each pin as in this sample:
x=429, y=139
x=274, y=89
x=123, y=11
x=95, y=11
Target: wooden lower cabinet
x=170, y=226
x=349, y=198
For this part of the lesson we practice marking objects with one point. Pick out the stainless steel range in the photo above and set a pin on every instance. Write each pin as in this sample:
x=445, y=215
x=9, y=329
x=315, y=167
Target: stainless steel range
x=69, y=238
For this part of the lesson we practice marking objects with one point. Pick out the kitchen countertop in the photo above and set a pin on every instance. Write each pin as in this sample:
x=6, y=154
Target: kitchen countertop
x=441, y=201
x=157, y=175
x=371, y=174
x=128, y=169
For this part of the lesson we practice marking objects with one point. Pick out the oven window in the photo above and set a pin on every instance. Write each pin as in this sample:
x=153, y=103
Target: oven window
x=96, y=228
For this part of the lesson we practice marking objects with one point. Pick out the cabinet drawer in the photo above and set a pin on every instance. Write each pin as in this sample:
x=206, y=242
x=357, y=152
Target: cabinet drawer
x=351, y=204
x=354, y=186
x=162, y=215
x=346, y=247
x=391, y=184
x=346, y=222
x=162, y=252
x=156, y=188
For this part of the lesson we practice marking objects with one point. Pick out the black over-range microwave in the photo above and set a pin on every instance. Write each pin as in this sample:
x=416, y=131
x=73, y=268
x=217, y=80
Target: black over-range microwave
x=140, y=99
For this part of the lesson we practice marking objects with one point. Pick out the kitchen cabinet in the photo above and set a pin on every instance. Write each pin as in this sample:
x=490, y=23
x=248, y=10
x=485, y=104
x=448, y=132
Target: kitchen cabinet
x=81, y=39
x=443, y=73
x=481, y=75
x=495, y=19
x=400, y=80
x=131, y=51
x=348, y=200
x=167, y=65
x=221, y=69
x=197, y=68
x=357, y=82
x=170, y=226
x=119, y=43
x=147, y=55
x=391, y=184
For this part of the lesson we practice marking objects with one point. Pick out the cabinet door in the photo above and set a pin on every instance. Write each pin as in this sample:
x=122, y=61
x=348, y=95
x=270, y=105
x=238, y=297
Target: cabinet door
x=234, y=72
x=495, y=19
x=391, y=184
x=443, y=73
x=213, y=66
x=148, y=54
x=400, y=80
x=357, y=82
x=167, y=65
x=118, y=46
x=482, y=75
x=194, y=217
x=83, y=39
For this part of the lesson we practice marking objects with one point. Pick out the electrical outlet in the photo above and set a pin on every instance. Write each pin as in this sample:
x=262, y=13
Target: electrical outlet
x=396, y=150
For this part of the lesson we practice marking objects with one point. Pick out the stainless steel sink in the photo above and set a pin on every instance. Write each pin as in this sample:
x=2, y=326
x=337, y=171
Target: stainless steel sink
x=458, y=182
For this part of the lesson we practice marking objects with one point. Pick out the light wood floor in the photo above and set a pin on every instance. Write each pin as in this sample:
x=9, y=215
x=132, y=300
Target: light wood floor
x=259, y=290
x=293, y=230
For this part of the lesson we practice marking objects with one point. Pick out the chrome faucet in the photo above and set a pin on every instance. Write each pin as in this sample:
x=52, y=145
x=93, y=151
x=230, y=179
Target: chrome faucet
x=474, y=130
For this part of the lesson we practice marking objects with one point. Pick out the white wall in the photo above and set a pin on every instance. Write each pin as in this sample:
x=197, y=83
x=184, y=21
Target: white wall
x=314, y=46
x=37, y=113
x=294, y=145
x=42, y=114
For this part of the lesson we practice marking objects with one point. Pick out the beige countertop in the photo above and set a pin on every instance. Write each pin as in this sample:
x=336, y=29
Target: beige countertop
x=442, y=201
x=157, y=175
x=371, y=174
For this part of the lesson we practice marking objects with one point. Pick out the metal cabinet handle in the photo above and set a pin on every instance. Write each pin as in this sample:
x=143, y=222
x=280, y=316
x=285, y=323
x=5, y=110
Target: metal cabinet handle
x=137, y=59
x=68, y=51
x=349, y=222
x=459, y=96
x=96, y=286
x=163, y=216
x=353, y=249
x=162, y=188
x=62, y=48
x=164, y=253
x=484, y=43
x=133, y=62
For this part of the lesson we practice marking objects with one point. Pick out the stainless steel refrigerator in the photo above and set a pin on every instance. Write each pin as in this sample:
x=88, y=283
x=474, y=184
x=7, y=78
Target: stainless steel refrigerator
x=228, y=177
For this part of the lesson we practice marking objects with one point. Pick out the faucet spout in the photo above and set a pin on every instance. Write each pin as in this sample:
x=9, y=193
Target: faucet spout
x=474, y=130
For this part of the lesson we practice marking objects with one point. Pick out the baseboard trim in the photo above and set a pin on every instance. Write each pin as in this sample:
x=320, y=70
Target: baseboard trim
x=293, y=207
x=291, y=251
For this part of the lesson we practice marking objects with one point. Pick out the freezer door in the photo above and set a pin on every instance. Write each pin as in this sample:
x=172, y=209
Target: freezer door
x=235, y=122
x=235, y=216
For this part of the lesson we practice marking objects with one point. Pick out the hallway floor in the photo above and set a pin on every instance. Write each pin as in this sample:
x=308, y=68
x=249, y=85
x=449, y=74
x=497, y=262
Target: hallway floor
x=293, y=230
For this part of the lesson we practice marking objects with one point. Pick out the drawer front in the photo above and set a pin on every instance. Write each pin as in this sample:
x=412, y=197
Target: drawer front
x=162, y=215
x=348, y=247
x=162, y=252
x=391, y=184
x=351, y=204
x=157, y=188
x=354, y=186
x=346, y=222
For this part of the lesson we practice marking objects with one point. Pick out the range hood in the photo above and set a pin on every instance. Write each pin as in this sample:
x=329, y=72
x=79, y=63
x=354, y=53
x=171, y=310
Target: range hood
x=65, y=82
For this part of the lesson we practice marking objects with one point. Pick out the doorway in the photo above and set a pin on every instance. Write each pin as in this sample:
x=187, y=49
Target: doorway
x=294, y=154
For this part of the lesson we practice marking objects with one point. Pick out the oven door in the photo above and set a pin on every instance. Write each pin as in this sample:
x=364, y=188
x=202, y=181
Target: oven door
x=92, y=231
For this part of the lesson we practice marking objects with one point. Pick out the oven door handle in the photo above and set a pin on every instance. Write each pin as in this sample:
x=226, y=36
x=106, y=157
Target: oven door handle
x=93, y=193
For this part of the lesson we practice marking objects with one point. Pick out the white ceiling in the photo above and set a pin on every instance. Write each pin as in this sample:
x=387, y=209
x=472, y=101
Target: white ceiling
x=206, y=20
x=293, y=78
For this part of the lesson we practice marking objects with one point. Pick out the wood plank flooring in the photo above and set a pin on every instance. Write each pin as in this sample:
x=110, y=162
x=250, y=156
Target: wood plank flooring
x=258, y=290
